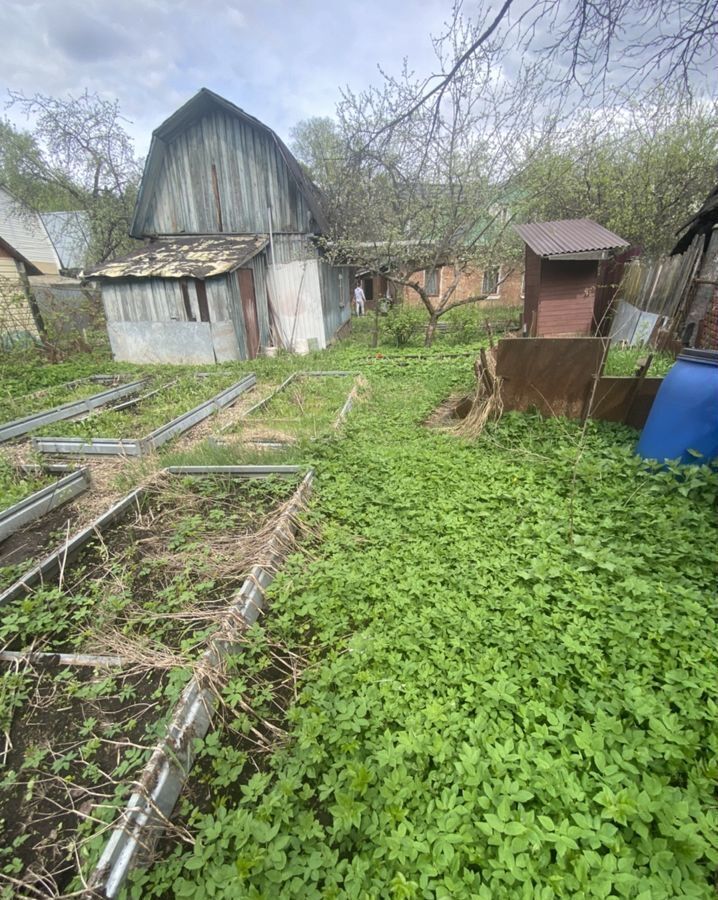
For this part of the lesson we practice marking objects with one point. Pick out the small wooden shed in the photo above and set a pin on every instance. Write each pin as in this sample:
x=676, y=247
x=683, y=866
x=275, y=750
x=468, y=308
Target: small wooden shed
x=561, y=274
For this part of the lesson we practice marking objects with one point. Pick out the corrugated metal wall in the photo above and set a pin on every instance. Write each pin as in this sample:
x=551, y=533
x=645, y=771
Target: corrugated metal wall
x=334, y=284
x=250, y=176
x=336, y=288
x=160, y=300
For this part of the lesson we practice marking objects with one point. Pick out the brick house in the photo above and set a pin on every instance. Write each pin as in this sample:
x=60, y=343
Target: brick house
x=503, y=285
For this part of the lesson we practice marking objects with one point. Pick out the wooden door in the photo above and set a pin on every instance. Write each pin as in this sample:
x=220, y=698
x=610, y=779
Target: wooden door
x=249, y=308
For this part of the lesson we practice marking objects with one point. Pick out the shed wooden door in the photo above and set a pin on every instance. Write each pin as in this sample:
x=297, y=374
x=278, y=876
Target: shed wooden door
x=249, y=308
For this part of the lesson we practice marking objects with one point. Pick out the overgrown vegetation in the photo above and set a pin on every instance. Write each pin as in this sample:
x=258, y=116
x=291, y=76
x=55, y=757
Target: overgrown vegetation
x=168, y=392
x=150, y=591
x=304, y=409
x=509, y=679
x=487, y=672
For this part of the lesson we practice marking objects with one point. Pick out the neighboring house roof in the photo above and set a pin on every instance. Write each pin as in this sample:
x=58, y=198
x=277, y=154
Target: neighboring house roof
x=203, y=103
x=70, y=233
x=184, y=257
x=23, y=229
x=701, y=223
x=567, y=236
x=8, y=248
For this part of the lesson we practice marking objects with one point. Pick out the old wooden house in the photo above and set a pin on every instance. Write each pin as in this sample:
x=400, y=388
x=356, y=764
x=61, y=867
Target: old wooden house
x=561, y=269
x=229, y=262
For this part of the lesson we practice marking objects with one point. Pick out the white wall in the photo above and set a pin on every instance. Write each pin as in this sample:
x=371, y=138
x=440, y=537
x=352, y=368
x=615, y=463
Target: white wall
x=23, y=229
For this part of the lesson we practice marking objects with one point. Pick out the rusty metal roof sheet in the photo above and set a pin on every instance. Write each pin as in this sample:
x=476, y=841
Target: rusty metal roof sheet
x=568, y=236
x=200, y=256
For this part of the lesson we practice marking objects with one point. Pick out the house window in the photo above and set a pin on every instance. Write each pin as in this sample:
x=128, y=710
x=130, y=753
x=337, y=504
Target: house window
x=431, y=281
x=490, y=284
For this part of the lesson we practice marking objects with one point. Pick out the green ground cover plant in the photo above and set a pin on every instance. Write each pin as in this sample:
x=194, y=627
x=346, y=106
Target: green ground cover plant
x=45, y=398
x=624, y=361
x=150, y=590
x=16, y=485
x=404, y=326
x=510, y=653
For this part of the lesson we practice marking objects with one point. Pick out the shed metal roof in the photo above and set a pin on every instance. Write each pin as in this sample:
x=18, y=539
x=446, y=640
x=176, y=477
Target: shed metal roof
x=200, y=256
x=568, y=236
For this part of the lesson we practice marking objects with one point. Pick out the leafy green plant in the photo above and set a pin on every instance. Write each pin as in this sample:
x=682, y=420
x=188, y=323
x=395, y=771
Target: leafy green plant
x=500, y=702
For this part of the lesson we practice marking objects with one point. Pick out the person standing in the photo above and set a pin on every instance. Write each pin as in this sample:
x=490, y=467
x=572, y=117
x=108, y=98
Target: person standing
x=359, y=299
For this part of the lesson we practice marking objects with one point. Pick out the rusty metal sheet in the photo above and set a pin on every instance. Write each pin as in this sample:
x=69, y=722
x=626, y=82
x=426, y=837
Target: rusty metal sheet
x=552, y=375
x=625, y=399
x=203, y=256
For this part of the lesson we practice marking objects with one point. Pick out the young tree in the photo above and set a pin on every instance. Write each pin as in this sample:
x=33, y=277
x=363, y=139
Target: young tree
x=639, y=169
x=434, y=189
x=77, y=156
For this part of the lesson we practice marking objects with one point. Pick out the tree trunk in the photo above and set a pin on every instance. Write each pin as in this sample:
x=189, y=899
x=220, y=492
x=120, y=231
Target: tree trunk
x=375, y=333
x=431, y=330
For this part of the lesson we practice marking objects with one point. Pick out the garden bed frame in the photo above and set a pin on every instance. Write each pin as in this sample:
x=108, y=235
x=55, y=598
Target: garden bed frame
x=151, y=441
x=265, y=401
x=143, y=819
x=18, y=427
x=43, y=501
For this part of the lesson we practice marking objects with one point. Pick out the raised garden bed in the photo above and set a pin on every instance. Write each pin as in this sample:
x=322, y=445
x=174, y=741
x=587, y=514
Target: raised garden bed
x=83, y=398
x=48, y=397
x=36, y=504
x=103, y=637
x=144, y=425
x=305, y=406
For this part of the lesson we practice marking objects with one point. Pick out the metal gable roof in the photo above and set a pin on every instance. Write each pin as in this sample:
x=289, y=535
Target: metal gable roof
x=568, y=236
x=203, y=256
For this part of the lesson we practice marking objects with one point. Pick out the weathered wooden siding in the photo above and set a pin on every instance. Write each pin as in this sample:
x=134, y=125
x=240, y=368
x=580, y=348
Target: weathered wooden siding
x=249, y=176
x=161, y=300
x=566, y=297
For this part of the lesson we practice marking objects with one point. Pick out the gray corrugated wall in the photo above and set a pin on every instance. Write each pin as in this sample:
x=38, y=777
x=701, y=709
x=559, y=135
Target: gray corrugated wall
x=251, y=174
x=336, y=290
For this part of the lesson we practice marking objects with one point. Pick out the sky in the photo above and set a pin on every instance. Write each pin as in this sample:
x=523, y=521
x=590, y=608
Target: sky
x=280, y=60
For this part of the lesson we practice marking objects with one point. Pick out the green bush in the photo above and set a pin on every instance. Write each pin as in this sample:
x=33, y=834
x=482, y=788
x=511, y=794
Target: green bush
x=402, y=322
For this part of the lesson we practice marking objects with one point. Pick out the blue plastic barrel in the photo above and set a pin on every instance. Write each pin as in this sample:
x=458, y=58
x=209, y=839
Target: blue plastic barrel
x=684, y=415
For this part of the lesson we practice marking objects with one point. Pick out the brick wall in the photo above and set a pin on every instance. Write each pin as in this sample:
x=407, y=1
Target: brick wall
x=471, y=283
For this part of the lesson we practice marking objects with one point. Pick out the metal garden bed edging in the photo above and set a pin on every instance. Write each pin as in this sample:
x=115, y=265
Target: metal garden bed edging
x=69, y=549
x=144, y=445
x=66, y=411
x=41, y=502
x=283, y=445
x=147, y=812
